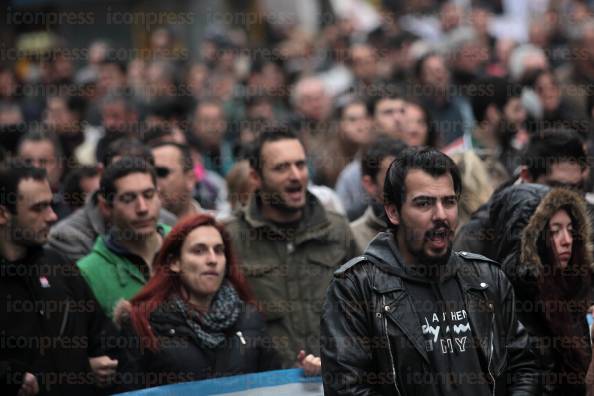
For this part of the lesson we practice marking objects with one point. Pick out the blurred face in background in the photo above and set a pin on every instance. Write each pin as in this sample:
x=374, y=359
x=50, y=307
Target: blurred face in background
x=111, y=78
x=416, y=131
x=435, y=74
x=175, y=184
x=548, y=92
x=364, y=62
x=210, y=125
x=58, y=117
x=514, y=112
x=355, y=124
x=42, y=154
x=312, y=100
x=390, y=117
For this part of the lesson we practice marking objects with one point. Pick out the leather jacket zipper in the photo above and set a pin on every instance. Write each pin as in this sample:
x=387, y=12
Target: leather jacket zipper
x=389, y=347
x=64, y=320
x=491, y=346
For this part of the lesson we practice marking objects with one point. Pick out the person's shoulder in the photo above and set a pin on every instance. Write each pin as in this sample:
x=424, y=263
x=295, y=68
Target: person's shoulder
x=336, y=217
x=75, y=225
x=250, y=317
x=95, y=258
x=350, y=266
x=475, y=257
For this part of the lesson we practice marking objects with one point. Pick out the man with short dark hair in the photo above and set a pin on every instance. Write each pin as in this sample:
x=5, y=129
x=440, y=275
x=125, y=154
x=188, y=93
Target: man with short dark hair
x=412, y=317
x=52, y=328
x=120, y=262
x=43, y=150
x=289, y=244
x=374, y=164
x=75, y=236
x=175, y=178
x=388, y=114
x=207, y=137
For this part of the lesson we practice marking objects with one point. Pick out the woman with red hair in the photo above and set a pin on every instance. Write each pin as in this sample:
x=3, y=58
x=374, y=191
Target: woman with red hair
x=194, y=318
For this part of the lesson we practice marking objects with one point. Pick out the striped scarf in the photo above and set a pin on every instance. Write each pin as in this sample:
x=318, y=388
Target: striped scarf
x=209, y=328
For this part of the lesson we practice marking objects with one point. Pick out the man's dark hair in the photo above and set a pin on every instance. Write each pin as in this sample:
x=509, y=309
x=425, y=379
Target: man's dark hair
x=420, y=64
x=120, y=97
x=380, y=149
x=168, y=108
x=122, y=168
x=156, y=135
x=373, y=101
x=551, y=147
x=343, y=104
x=429, y=160
x=12, y=172
x=112, y=59
x=489, y=91
x=255, y=156
x=40, y=136
x=186, y=155
x=73, y=193
x=126, y=147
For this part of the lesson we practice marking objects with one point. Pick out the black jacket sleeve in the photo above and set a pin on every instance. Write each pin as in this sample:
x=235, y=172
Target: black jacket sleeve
x=347, y=357
x=522, y=373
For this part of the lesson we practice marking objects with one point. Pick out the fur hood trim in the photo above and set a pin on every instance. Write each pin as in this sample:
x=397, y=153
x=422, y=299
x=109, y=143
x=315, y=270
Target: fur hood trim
x=556, y=199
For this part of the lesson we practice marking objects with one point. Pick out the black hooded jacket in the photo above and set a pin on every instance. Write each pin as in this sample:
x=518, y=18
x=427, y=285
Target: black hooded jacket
x=553, y=314
x=371, y=341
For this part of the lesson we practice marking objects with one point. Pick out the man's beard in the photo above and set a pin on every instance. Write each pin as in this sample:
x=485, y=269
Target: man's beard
x=275, y=199
x=280, y=205
x=430, y=266
x=26, y=237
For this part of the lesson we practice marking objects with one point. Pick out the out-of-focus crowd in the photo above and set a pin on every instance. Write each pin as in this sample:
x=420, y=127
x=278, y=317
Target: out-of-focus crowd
x=165, y=219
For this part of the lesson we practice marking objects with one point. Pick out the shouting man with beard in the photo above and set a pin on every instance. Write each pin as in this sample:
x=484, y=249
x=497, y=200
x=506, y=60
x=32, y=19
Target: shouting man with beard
x=410, y=316
x=289, y=246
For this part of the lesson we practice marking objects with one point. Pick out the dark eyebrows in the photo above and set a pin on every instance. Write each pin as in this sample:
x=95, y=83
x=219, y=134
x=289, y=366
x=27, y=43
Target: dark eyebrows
x=41, y=204
x=433, y=198
x=204, y=245
x=148, y=190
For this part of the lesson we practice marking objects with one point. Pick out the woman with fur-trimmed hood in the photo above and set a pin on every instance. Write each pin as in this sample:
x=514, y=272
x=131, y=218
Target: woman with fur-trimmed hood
x=542, y=240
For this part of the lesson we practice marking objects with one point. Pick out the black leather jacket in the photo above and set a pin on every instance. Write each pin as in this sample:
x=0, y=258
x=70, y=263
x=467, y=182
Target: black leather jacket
x=371, y=340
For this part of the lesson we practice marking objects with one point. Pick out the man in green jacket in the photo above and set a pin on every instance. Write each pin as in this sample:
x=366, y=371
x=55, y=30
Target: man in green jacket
x=120, y=262
x=289, y=245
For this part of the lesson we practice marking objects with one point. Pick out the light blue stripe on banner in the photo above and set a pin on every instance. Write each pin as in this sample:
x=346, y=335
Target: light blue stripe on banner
x=279, y=382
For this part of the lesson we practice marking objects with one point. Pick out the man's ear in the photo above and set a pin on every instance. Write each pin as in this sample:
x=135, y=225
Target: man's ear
x=175, y=266
x=493, y=115
x=525, y=175
x=190, y=179
x=392, y=213
x=104, y=207
x=369, y=185
x=255, y=178
x=4, y=215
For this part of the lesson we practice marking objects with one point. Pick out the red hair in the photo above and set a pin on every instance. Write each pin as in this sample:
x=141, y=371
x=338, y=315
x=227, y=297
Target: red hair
x=165, y=282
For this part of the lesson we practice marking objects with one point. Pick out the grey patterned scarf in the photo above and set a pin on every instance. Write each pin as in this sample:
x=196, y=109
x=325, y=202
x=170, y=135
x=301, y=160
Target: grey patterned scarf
x=224, y=312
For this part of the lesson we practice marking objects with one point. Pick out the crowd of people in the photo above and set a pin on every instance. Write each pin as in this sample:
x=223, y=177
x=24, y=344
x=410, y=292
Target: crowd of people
x=403, y=209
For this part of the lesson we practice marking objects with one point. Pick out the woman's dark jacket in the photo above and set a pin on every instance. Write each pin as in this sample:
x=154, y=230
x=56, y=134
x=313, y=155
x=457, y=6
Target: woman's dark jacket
x=521, y=214
x=181, y=357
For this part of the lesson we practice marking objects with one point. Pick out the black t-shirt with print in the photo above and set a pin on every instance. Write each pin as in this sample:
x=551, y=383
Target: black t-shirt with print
x=449, y=340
